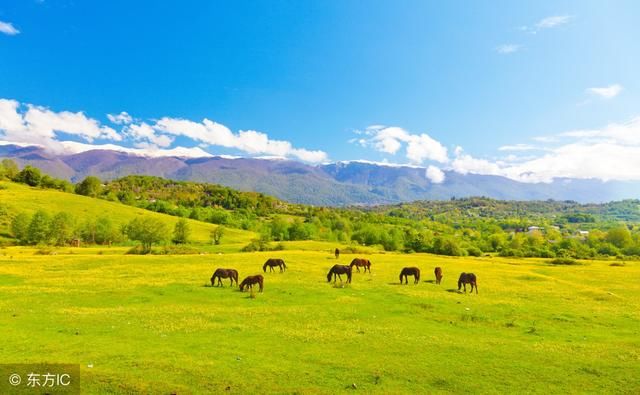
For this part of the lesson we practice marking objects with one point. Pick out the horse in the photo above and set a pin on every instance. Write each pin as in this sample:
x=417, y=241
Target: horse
x=410, y=271
x=337, y=253
x=224, y=273
x=467, y=278
x=337, y=270
x=250, y=281
x=357, y=262
x=438, y=273
x=272, y=262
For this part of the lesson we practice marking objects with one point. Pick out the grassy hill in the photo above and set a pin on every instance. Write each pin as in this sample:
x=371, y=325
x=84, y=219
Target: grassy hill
x=15, y=198
x=151, y=324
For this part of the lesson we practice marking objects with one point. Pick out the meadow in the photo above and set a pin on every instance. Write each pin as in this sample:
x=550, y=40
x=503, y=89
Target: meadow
x=153, y=324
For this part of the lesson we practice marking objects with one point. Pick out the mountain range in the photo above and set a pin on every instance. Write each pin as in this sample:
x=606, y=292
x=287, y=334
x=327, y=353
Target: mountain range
x=334, y=184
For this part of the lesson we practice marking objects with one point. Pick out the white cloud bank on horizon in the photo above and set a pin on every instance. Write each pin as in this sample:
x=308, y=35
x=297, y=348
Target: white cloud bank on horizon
x=609, y=153
x=8, y=29
x=56, y=131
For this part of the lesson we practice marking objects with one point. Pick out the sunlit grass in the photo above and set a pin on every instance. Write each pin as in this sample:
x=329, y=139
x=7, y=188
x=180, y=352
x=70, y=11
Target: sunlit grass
x=153, y=324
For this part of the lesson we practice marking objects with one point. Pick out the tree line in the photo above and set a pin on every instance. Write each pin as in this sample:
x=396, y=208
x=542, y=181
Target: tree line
x=458, y=227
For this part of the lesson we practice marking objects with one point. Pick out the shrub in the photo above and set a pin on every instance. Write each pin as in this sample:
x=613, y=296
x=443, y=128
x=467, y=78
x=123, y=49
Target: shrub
x=474, y=251
x=564, y=261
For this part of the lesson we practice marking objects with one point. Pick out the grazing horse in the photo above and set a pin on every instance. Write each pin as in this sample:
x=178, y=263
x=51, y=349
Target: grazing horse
x=337, y=270
x=467, y=278
x=358, y=262
x=438, y=273
x=337, y=253
x=250, y=281
x=410, y=271
x=224, y=273
x=272, y=262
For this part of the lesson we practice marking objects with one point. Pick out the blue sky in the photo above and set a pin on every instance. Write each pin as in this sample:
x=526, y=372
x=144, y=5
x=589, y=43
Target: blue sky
x=523, y=89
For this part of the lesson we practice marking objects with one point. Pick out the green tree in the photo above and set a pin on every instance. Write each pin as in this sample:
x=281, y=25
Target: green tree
x=104, y=231
x=10, y=169
x=181, y=232
x=30, y=176
x=61, y=228
x=216, y=234
x=146, y=230
x=619, y=237
x=20, y=227
x=38, y=231
x=90, y=186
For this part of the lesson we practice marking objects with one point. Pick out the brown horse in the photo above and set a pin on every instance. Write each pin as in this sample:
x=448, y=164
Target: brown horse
x=438, y=273
x=467, y=278
x=337, y=252
x=337, y=270
x=273, y=262
x=361, y=262
x=251, y=280
x=224, y=273
x=410, y=271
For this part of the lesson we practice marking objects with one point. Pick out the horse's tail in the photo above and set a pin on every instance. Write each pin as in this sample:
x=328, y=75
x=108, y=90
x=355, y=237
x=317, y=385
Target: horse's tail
x=284, y=264
x=329, y=275
x=264, y=267
x=418, y=275
x=349, y=275
x=401, y=273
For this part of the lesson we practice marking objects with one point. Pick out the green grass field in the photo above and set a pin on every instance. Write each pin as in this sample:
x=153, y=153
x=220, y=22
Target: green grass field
x=151, y=324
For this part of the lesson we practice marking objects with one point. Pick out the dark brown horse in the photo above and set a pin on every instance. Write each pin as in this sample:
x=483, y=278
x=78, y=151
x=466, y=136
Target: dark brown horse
x=224, y=273
x=336, y=272
x=361, y=262
x=467, y=278
x=273, y=262
x=251, y=280
x=438, y=273
x=410, y=271
x=337, y=253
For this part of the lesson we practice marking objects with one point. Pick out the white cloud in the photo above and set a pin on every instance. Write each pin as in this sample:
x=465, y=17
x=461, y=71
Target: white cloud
x=608, y=92
x=144, y=134
x=434, y=174
x=517, y=147
x=73, y=147
x=507, y=48
x=553, y=21
x=120, y=119
x=547, y=23
x=418, y=147
x=39, y=125
x=249, y=141
x=8, y=29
